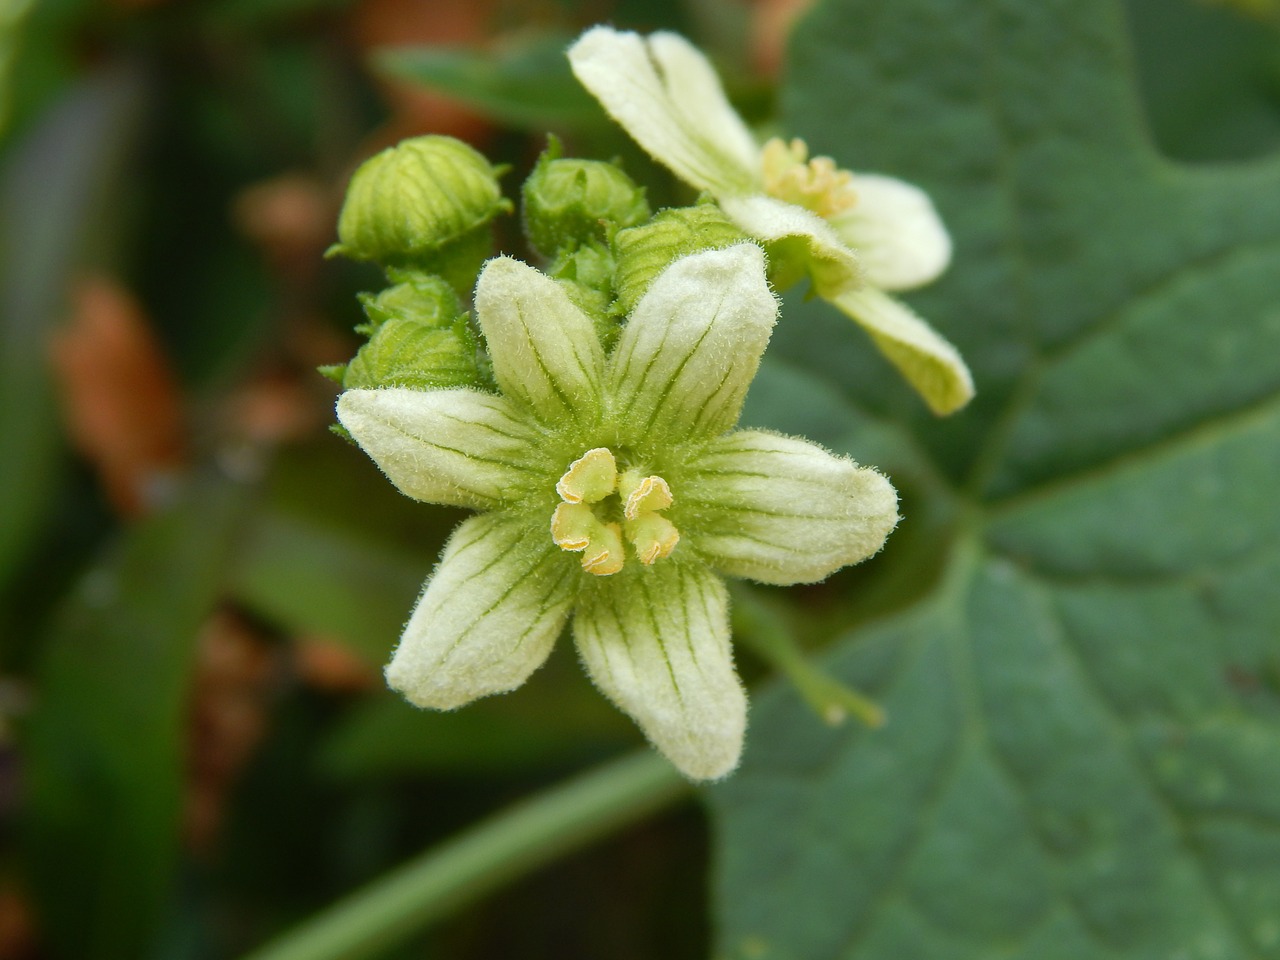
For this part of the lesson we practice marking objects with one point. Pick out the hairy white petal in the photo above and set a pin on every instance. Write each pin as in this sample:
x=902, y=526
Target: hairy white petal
x=691, y=348
x=459, y=447
x=783, y=510
x=833, y=266
x=657, y=644
x=489, y=616
x=930, y=364
x=545, y=350
x=666, y=95
x=896, y=231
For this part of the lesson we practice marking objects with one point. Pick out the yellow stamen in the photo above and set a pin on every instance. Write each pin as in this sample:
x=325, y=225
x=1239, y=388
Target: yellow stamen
x=643, y=494
x=590, y=478
x=653, y=536
x=817, y=184
x=578, y=525
x=572, y=526
x=604, y=556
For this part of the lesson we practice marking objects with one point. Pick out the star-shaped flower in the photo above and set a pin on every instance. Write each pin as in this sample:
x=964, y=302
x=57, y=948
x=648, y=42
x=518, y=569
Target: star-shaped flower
x=612, y=488
x=856, y=236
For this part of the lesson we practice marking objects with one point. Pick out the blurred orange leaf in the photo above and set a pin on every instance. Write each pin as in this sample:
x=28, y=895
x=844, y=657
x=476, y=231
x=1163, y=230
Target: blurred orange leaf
x=120, y=400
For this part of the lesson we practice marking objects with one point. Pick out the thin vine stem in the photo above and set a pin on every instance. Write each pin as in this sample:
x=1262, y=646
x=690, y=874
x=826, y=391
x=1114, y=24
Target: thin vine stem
x=499, y=849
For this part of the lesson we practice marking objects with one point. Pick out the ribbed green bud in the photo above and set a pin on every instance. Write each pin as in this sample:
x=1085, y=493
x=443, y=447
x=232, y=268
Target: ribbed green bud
x=643, y=252
x=422, y=298
x=568, y=203
x=423, y=203
x=403, y=353
x=419, y=338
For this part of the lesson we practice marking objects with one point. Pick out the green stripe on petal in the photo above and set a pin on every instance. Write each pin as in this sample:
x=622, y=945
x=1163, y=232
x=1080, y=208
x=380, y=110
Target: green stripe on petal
x=489, y=616
x=545, y=351
x=929, y=363
x=896, y=231
x=459, y=447
x=783, y=510
x=794, y=232
x=657, y=643
x=688, y=353
x=666, y=95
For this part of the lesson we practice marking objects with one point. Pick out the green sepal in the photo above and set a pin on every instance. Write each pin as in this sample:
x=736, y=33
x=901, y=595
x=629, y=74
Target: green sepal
x=643, y=252
x=568, y=203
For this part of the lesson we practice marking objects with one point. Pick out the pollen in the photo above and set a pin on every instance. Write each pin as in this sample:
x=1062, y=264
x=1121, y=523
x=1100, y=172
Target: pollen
x=601, y=510
x=817, y=184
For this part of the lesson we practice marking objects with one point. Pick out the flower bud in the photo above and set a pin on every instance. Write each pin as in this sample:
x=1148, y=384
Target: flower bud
x=414, y=203
x=402, y=353
x=423, y=298
x=568, y=203
x=418, y=338
x=644, y=251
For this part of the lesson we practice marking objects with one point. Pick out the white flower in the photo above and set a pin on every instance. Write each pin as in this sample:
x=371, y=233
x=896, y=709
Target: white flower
x=612, y=488
x=855, y=235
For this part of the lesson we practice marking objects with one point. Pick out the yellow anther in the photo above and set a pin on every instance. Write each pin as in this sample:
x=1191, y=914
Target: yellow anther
x=643, y=495
x=590, y=478
x=604, y=554
x=572, y=526
x=817, y=184
x=653, y=536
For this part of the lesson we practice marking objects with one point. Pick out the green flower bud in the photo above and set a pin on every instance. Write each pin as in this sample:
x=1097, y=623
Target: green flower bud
x=568, y=203
x=419, y=338
x=645, y=251
x=421, y=204
x=403, y=353
x=423, y=298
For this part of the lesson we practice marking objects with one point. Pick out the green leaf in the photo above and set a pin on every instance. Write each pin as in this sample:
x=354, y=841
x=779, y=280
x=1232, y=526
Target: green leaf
x=105, y=747
x=53, y=188
x=1082, y=755
x=525, y=84
x=1210, y=78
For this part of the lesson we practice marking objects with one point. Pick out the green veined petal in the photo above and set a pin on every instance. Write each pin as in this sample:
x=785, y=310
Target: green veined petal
x=545, y=351
x=792, y=231
x=666, y=95
x=929, y=363
x=897, y=233
x=656, y=642
x=783, y=510
x=692, y=345
x=488, y=617
x=459, y=447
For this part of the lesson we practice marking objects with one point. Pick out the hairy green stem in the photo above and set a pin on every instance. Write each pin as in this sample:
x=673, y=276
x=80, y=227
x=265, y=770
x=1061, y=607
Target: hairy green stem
x=481, y=859
x=760, y=625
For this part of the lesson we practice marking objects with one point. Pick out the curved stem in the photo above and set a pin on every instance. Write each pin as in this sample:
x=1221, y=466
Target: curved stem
x=468, y=866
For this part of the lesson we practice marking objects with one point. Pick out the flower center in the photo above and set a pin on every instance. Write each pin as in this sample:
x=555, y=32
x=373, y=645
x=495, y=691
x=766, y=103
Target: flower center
x=817, y=184
x=600, y=508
